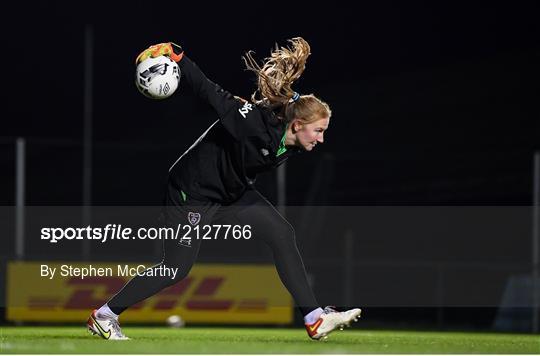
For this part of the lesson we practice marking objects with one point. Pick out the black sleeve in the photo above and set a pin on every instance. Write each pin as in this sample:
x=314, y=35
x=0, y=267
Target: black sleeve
x=238, y=116
x=221, y=100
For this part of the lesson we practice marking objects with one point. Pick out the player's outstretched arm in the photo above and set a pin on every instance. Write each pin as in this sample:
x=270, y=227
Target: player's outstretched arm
x=221, y=100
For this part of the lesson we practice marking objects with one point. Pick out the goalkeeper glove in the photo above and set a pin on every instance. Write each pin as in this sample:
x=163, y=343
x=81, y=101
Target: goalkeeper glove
x=169, y=49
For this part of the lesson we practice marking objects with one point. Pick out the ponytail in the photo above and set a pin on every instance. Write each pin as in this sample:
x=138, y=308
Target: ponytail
x=279, y=71
x=275, y=78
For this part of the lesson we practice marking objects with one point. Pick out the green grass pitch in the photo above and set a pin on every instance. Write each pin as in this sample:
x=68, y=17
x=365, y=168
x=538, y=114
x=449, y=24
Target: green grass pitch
x=220, y=340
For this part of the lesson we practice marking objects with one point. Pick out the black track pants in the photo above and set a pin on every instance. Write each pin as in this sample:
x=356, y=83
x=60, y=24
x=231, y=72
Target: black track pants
x=251, y=209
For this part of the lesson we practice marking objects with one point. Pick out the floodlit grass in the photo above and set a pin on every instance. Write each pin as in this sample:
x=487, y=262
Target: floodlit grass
x=198, y=340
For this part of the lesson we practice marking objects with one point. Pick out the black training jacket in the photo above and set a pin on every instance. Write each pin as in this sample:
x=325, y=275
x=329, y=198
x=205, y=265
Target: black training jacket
x=225, y=160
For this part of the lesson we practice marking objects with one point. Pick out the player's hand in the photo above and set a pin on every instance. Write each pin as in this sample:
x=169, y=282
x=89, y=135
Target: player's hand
x=169, y=49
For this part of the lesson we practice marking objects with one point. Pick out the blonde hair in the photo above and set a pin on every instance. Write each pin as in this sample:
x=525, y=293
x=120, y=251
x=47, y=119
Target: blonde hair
x=275, y=78
x=307, y=109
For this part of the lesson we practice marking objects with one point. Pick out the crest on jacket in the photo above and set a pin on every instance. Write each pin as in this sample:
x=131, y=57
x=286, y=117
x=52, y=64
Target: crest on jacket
x=194, y=218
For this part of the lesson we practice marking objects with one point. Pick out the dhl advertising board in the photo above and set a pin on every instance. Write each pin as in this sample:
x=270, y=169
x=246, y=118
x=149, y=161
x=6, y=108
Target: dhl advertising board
x=212, y=293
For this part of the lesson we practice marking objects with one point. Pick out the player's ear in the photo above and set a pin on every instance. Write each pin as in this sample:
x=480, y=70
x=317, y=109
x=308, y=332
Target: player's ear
x=296, y=125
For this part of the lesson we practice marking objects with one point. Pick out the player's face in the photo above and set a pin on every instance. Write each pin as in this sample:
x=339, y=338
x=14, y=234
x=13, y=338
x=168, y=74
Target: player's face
x=309, y=135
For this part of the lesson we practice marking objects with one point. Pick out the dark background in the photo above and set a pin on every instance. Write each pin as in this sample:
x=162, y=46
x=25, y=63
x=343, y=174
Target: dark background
x=433, y=103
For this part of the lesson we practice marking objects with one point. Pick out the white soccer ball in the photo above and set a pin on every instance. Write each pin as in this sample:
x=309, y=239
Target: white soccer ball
x=175, y=321
x=157, y=78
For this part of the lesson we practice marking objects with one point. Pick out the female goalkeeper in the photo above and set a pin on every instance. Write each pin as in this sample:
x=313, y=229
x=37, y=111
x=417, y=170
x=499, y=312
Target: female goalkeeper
x=213, y=180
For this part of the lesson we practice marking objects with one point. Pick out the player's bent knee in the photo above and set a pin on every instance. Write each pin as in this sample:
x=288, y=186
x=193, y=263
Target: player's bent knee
x=283, y=234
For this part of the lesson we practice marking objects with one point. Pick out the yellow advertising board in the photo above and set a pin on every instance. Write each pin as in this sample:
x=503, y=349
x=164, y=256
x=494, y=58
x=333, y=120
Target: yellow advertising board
x=212, y=293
